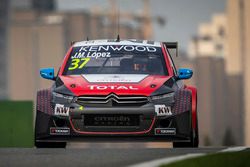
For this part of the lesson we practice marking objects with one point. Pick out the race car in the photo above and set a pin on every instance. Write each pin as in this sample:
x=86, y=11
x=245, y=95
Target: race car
x=117, y=90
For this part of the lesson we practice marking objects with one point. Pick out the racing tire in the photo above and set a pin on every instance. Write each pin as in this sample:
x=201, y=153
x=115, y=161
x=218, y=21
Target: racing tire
x=194, y=143
x=50, y=144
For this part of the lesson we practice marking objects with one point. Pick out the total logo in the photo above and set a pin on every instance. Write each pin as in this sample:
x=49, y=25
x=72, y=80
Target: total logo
x=113, y=87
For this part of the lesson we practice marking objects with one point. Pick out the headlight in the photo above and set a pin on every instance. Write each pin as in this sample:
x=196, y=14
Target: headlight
x=62, y=97
x=169, y=95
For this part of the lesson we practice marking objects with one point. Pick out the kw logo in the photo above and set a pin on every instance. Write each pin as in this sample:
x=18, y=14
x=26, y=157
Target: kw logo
x=61, y=110
x=162, y=110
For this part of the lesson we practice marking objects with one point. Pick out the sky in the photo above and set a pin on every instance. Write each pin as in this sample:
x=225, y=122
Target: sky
x=183, y=16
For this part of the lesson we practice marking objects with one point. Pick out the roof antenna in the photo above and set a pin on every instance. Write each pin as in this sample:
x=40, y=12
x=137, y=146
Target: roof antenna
x=87, y=38
x=118, y=20
x=118, y=38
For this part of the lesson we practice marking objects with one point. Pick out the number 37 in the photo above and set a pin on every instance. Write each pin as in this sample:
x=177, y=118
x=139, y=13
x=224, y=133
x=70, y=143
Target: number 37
x=78, y=63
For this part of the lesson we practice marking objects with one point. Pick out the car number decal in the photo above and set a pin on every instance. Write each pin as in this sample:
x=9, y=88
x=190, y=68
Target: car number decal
x=78, y=63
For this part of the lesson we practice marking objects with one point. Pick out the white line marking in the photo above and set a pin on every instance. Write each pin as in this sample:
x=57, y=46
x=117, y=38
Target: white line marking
x=234, y=149
x=158, y=162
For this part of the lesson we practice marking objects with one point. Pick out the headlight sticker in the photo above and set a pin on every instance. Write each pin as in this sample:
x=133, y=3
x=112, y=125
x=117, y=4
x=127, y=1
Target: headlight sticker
x=158, y=97
x=68, y=98
x=61, y=110
x=163, y=110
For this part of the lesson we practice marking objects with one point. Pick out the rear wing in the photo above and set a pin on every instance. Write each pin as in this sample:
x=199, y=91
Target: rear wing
x=172, y=46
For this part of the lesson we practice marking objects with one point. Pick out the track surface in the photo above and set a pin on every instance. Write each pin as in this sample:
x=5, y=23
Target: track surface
x=94, y=155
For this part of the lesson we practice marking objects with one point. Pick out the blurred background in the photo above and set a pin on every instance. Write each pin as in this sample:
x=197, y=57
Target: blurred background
x=213, y=36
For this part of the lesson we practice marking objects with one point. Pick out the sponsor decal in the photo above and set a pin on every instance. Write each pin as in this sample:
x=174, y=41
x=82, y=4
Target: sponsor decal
x=115, y=78
x=162, y=110
x=84, y=53
x=61, y=110
x=59, y=131
x=112, y=118
x=103, y=51
x=96, y=55
x=102, y=87
x=165, y=131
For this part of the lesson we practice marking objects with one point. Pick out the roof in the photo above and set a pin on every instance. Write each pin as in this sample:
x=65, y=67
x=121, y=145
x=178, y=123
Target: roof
x=121, y=42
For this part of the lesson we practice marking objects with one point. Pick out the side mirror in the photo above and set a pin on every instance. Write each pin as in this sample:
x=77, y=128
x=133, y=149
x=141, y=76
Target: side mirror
x=185, y=73
x=47, y=73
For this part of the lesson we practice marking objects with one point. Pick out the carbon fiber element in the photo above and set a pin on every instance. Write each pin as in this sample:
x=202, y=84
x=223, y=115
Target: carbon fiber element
x=44, y=101
x=183, y=101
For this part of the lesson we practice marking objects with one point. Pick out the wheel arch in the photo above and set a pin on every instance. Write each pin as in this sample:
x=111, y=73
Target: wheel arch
x=194, y=106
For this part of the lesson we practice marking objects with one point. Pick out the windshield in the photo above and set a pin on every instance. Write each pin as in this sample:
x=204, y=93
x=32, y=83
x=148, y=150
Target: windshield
x=119, y=59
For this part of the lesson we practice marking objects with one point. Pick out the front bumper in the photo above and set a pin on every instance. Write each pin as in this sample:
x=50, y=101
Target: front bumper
x=146, y=130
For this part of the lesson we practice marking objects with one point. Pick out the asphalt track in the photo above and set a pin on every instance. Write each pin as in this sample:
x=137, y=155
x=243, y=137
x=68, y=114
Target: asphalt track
x=93, y=155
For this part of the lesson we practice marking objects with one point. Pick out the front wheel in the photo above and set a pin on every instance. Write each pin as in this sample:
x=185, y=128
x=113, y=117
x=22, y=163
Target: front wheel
x=194, y=143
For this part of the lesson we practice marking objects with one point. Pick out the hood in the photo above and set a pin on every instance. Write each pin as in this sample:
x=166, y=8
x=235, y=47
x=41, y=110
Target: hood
x=104, y=84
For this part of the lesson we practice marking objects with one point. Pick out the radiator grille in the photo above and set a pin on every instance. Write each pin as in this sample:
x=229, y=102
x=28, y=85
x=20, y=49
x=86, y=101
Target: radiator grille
x=113, y=100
